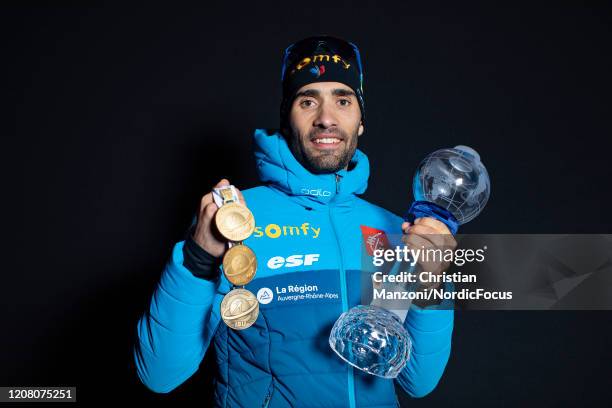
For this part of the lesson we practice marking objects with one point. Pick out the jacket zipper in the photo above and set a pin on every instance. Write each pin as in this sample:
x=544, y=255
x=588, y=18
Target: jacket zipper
x=268, y=397
x=343, y=291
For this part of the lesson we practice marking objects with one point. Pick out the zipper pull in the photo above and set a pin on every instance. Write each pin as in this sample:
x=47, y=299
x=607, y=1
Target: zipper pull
x=337, y=183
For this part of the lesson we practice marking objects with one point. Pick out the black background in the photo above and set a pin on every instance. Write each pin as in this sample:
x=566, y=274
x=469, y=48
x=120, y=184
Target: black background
x=118, y=119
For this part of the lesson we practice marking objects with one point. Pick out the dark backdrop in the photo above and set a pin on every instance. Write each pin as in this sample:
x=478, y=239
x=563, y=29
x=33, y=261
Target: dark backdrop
x=117, y=120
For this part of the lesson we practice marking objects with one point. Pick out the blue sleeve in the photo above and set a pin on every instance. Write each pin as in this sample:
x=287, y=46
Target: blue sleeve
x=431, y=331
x=175, y=332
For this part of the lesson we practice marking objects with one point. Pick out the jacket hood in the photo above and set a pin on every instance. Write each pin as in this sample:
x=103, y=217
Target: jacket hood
x=278, y=167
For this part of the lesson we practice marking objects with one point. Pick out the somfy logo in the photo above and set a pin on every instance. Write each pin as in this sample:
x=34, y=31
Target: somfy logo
x=265, y=295
x=316, y=192
x=275, y=231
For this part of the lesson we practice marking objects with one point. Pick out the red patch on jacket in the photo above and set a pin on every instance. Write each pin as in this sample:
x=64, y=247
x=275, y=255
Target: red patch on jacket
x=374, y=239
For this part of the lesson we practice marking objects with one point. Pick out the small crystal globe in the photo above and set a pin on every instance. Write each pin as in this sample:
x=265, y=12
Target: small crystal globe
x=454, y=179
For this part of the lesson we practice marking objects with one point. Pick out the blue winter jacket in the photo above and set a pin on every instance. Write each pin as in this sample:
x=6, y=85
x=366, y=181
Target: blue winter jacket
x=309, y=245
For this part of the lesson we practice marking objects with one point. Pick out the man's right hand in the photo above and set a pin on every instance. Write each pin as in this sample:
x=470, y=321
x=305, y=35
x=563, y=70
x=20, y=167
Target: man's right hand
x=205, y=233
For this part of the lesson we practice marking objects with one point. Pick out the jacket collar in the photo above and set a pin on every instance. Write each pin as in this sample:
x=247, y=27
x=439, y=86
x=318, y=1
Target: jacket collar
x=277, y=167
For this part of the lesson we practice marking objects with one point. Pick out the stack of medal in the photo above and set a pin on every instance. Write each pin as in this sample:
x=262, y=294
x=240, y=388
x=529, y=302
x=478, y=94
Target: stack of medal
x=239, y=308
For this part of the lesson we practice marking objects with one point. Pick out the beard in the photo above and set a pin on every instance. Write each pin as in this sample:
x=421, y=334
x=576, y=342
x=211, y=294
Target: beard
x=323, y=162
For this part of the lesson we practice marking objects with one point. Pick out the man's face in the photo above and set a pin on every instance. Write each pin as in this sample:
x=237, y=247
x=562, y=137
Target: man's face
x=325, y=122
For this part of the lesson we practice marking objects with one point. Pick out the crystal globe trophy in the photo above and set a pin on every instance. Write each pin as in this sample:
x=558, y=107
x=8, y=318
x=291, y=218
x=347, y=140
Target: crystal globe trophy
x=451, y=185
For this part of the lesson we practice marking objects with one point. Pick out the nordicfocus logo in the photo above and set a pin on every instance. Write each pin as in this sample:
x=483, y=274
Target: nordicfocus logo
x=265, y=295
x=292, y=261
x=316, y=192
x=276, y=231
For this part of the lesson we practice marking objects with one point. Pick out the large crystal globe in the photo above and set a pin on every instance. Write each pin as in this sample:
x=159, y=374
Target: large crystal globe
x=454, y=179
x=372, y=339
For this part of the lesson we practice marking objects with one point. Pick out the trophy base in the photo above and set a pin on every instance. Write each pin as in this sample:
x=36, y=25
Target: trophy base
x=371, y=339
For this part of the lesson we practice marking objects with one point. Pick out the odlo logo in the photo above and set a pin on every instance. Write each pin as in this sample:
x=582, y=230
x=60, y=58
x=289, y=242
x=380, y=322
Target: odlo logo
x=316, y=192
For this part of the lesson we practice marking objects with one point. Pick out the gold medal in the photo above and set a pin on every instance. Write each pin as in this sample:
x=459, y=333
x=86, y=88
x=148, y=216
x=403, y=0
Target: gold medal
x=239, y=265
x=235, y=221
x=239, y=309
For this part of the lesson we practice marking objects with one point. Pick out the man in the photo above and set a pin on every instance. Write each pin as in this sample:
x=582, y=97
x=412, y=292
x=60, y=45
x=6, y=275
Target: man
x=308, y=240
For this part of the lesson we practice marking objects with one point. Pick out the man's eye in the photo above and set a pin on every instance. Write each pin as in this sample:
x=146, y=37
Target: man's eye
x=306, y=103
x=344, y=102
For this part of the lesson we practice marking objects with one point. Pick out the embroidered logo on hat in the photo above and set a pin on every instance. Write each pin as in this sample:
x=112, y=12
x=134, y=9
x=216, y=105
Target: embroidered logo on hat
x=317, y=71
x=336, y=59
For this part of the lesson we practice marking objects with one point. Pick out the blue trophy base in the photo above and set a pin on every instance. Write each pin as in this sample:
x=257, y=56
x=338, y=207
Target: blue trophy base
x=420, y=209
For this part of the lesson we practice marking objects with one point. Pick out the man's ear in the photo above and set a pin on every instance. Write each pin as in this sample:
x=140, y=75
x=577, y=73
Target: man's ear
x=360, y=131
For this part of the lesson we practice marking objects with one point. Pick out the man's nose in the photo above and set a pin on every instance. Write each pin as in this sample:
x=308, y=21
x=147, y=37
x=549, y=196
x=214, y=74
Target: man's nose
x=326, y=116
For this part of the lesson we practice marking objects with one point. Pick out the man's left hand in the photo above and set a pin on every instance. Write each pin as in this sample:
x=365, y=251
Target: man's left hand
x=429, y=233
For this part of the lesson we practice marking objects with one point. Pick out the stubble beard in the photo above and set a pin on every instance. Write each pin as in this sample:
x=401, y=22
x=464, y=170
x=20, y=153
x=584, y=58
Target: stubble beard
x=322, y=162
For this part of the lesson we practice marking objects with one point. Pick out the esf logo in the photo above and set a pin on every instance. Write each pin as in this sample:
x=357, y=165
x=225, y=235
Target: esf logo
x=292, y=261
x=276, y=231
x=316, y=192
